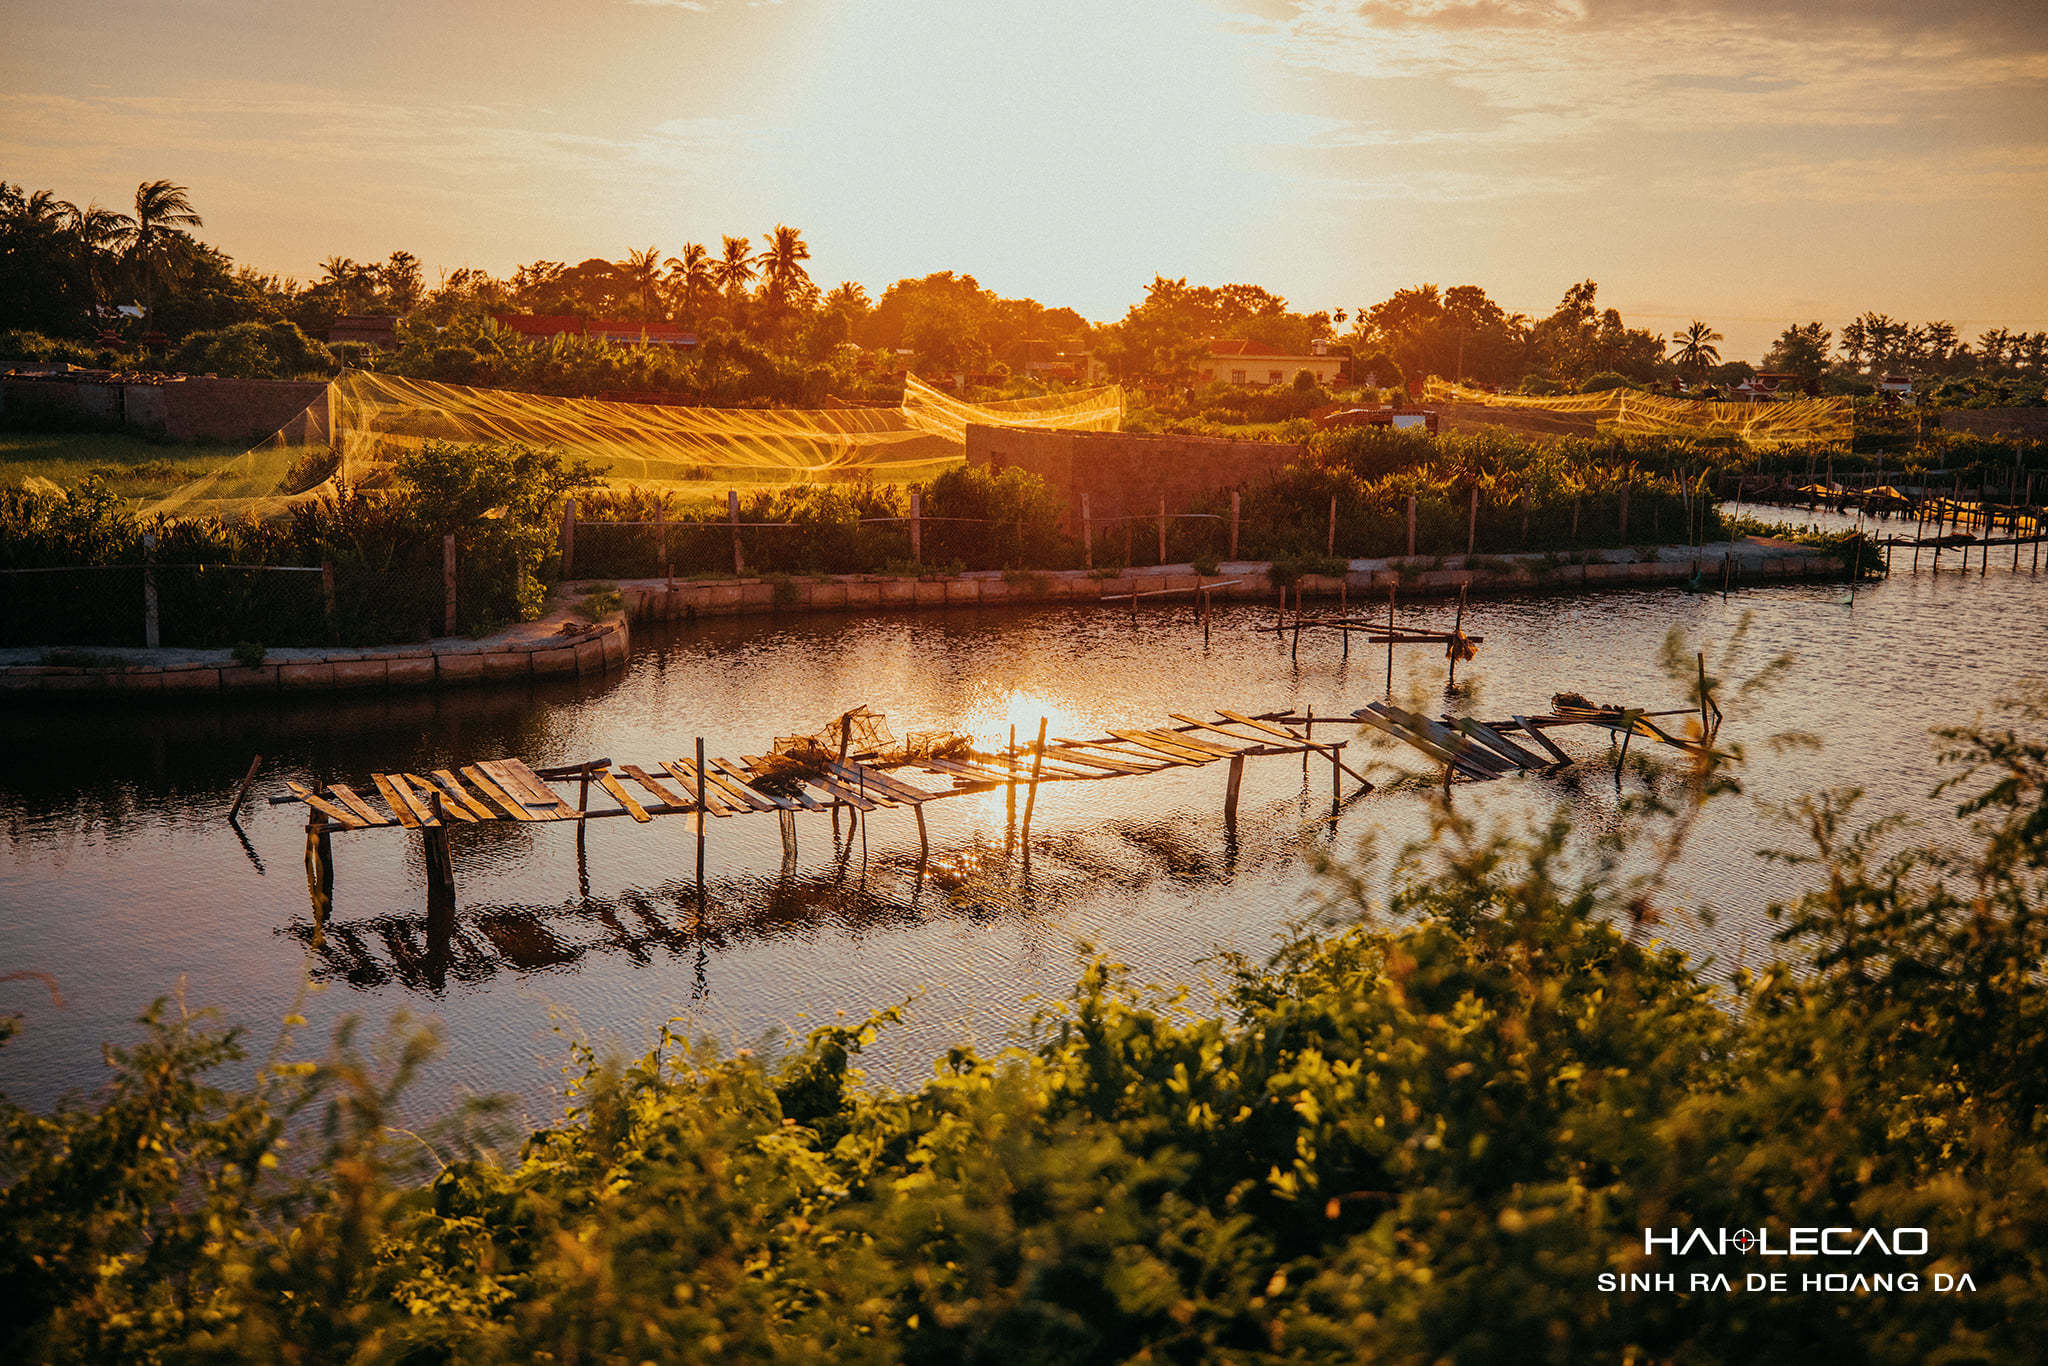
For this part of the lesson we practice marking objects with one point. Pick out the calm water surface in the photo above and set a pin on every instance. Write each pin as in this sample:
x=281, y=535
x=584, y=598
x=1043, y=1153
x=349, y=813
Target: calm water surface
x=120, y=877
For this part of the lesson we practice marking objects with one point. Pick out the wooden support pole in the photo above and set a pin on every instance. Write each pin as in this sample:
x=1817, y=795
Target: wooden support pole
x=1031, y=797
x=1411, y=524
x=1390, y=642
x=1623, y=534
x=569, y=539
x=1472, y=523
x=150, y=634
x=1457, y=629
x=1330, y=548
x=1087, y=533
x=787, y=818
x=1230, y=789
x=701, y=810
x=924, y=843
x=448, y=584
x=732, y=515
x=440, y=867
x=917, y=526
x=1010, y=788
x=661, y=537
x=1236, y=503
x=242, y=789
x=1162, y=529
x=319, y=868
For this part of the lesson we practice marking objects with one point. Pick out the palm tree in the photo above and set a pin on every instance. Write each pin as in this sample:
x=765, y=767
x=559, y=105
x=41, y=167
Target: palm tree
x=690, y=275
x=346, y=278
x=642, y=270
x=162, y=211
x=100, y=233
x=1696, y=348
x=781, y=263
x=734, y=271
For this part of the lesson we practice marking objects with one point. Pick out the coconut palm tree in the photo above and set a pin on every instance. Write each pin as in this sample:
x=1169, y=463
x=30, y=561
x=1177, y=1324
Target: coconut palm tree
x=734, y=270
x=642, y=271
x=100, y=234
x=1696, y=348
x=690, y=275
x=781, y=263
x=162, y=212
x=349, y=280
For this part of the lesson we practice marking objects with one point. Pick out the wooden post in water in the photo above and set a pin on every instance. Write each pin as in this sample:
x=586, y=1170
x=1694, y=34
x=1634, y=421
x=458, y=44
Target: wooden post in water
x=569, y=539
x=150, y=635
x=319, y=868
x=1411, y=524
x=1390, y=642
x=732, y=515
x=1031, y=797
x=440, y=870
x=1010, y=790
x=1457, y=629
x=924, y=844
x=242, y=791
x=788, y=819
x=1230, y=789
x=1087, y=533
x=1235, y=502
x=448, y=584
x=917, y=526
x=702, y=811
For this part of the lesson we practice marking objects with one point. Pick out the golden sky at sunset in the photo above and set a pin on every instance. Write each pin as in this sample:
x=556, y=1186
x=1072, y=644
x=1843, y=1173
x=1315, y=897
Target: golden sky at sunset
x=1747, y=163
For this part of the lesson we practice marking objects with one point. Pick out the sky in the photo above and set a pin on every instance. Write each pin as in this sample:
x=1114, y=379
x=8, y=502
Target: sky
x=1749, y=164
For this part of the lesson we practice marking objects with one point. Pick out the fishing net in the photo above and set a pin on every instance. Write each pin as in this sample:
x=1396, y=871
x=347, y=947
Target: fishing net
x=861, y=734
x=1627, y=412
x=354, y=432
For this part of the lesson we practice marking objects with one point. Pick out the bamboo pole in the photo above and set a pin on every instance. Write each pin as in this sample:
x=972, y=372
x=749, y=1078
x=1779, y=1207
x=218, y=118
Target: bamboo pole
x=1031, y=797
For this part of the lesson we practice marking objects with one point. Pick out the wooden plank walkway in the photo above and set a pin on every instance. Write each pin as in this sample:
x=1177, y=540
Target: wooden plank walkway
x=1482, y=751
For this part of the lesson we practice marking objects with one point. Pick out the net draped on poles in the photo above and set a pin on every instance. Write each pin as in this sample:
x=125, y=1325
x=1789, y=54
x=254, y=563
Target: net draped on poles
x=364, y=420
x=1629, y=412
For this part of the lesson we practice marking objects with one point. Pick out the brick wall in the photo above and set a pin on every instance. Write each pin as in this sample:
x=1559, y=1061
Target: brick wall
x=1124, y=473
x=233, y=409
x=2030, y=422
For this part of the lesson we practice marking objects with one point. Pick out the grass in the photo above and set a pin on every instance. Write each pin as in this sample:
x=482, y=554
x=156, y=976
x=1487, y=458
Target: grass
x=134, y=467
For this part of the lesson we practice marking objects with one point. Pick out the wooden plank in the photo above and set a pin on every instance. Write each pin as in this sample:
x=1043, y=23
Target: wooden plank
x=448, y=784
x=956, y=769
x=346, y=795
x=622, y=797
x=685, y=772
x=874, y=780
x=496, y=795
x=845, y=794
x=1373, y=715
x=738, y=778
x=665, y=795
x=748, y=799
x=347, y=818
x=1197, y=743
x=1536, y=733
x=545, y=794
x=1119, y=767
x=1186, y=754
x=1226, y=734
x=755, y=762
x=430, y=789
x=1157, y=757
x=1451, y=741
x=1487, y=735
x=1270, y=729
x=516, y=790
x=401, y=808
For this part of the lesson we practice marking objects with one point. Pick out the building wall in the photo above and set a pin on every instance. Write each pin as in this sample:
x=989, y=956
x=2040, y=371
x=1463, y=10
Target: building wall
x=1123, y=473
x=1258, y=370
x=2030, y=422
x=194, y=408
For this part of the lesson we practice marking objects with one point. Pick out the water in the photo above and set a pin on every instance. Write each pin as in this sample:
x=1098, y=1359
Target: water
x=120, y=877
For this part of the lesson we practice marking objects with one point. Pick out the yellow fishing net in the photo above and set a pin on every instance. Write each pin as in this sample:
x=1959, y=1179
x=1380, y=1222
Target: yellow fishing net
x=1628, y=412
x=352, y=434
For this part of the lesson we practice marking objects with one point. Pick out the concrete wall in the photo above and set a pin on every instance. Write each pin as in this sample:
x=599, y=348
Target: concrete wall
x=1127, y=473
x=2029, y=422
x=188, y=408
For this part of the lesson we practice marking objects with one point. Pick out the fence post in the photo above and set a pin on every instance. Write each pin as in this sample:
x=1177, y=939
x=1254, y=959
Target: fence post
x=916, y=527
x=1162, y=528
x=732, y=514
x=1411, y=524
x=327, y=600
x=1331, y=548
x=448, y=583
x=1624, y=512
x=150, y=635
x=1472, y=523
x=1236, y=502
x=1087, y=533
x=661, y=531
x=568, y=538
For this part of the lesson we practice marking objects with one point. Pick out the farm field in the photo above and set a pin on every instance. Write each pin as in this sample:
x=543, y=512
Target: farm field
x=133, y=466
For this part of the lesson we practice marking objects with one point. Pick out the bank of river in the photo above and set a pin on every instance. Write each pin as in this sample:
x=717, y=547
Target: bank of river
x=120, y=876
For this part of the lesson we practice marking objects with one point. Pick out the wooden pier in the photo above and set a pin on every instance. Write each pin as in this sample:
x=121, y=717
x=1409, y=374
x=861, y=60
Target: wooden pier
x=803, y=778
x=1482, y=751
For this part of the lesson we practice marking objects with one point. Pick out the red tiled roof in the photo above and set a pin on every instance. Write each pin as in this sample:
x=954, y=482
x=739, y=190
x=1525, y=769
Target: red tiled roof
x=621, y=329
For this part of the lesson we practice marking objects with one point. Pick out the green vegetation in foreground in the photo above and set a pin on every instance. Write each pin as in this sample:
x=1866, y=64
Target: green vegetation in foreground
x=1421, y=1137
x=130, y=466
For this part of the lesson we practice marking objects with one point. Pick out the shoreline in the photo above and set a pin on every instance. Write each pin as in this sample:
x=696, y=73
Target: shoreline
x=561, y=644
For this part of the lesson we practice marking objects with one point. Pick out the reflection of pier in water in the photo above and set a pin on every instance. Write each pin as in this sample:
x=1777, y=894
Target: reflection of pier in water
x=976, y=884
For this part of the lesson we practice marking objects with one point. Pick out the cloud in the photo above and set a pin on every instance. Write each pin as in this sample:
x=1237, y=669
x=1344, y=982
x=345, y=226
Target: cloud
x=694, y=6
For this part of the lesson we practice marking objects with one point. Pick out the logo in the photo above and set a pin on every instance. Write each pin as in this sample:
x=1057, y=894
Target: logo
x=1793, y=1242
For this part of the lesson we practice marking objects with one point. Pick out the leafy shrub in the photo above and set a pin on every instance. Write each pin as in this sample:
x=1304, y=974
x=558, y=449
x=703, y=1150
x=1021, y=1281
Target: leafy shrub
x=1604, y=380
x=252, y=350
x=249, y=653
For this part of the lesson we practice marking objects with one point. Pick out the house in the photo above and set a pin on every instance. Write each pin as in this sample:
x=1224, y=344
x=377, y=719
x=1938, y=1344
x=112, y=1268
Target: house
x=624, y=331
x=1899, y=386
x=1042, y=359
x=379, y=331
x=1233, y=360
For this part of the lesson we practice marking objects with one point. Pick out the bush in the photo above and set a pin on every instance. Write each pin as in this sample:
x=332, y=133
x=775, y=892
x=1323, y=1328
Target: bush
x=1423, y=1136
x=1604, y=380
x=253, y=350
